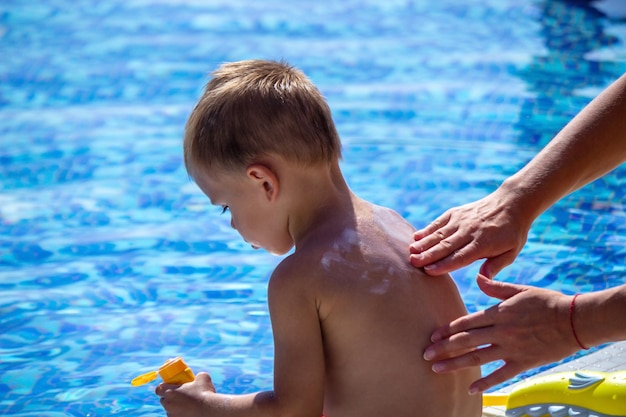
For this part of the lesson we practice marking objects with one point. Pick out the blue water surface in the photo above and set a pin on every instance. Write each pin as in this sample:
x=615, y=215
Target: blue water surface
x=112, y=261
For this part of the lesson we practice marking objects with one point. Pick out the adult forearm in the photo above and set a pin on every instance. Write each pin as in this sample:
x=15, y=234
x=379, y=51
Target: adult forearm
x=496, y=226
x=591, y=145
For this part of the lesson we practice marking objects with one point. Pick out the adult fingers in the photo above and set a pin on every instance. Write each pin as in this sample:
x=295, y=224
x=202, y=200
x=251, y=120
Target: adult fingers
x=443, y=238
x=458, y=344
x=469, y=359
x=498, y=289
x=480, y=319
x=495, y=264
x=447, y=254
x=500, y=375
x=477, y=320
x=450, y=254
x=479, y=357
x=433, y=226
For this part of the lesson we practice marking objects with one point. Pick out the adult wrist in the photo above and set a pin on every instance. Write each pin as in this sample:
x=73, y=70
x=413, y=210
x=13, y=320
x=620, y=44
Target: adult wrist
x=573, y=319
x=519, y=201
x=598, y=314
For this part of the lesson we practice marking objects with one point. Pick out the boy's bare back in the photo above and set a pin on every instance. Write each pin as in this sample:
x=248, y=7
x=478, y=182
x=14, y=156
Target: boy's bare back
x=375, y=314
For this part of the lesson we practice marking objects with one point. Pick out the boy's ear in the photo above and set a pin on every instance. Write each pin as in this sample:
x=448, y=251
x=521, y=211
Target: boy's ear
x=265, y=178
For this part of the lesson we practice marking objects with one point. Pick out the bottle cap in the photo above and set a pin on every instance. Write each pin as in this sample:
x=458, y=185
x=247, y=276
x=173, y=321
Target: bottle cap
x=168, y=370
x=171, y=368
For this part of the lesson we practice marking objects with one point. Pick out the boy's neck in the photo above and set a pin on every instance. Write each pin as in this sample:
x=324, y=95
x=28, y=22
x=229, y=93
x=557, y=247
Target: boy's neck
x=317, y=197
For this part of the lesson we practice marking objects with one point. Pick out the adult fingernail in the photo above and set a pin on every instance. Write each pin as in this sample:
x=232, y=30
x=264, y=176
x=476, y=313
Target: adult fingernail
x=429, y=354
x=438, y=367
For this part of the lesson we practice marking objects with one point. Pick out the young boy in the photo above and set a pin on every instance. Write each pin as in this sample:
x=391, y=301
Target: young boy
x=350, y=316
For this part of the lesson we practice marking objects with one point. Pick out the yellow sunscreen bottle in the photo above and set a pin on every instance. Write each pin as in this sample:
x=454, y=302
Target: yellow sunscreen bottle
x=173, y=371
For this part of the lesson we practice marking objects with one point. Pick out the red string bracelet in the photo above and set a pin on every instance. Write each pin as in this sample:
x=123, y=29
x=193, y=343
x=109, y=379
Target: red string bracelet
x=571, y=322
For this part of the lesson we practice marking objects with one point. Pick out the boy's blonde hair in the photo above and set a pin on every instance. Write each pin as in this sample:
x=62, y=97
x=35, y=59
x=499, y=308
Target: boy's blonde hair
x=255, y=108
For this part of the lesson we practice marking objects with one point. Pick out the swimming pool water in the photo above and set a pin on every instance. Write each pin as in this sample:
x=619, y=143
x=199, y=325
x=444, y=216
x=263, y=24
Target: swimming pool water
x=111, y=260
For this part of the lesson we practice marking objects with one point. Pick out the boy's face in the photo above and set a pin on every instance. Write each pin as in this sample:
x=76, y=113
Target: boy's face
x=254, y=213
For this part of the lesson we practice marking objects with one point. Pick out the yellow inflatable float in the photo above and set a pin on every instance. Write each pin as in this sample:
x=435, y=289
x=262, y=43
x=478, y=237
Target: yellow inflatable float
x=566, y=394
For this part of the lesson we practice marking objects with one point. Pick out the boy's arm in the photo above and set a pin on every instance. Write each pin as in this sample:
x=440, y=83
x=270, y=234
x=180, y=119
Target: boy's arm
x=298, y=366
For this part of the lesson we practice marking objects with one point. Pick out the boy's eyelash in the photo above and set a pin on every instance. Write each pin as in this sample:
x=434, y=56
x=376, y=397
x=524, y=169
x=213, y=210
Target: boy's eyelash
x=224, y=209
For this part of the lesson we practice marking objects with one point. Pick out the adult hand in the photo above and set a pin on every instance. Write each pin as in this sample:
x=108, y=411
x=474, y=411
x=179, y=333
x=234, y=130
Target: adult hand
x=530, y=327
x=496, y=227
x=492, y=227
x=187, y=400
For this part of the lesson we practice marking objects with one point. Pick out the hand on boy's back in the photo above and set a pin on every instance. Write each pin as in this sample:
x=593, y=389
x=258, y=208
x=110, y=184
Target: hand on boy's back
x=187, y=400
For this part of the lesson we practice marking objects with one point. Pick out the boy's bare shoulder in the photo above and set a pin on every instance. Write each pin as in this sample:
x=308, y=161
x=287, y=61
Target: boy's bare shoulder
x=296, y=274
x=376, y=236
x=392, y=221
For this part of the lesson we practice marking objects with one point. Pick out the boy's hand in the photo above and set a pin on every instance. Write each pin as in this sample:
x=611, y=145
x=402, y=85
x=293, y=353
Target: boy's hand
x=187, y=400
